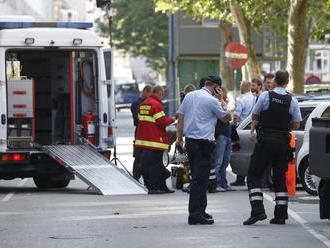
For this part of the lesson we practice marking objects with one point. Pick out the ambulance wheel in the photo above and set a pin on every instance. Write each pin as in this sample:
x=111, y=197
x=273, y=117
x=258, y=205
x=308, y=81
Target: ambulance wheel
x=48, y=183
x=307, y=180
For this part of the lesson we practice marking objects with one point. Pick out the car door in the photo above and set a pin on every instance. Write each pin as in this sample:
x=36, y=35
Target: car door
x=305, y=113
x=240, y=158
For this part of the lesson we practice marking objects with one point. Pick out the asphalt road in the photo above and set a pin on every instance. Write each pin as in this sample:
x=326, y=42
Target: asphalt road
x=77, y=217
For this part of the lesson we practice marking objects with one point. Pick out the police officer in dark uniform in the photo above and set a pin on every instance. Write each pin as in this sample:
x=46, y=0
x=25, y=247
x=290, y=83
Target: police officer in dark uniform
x=276, y=112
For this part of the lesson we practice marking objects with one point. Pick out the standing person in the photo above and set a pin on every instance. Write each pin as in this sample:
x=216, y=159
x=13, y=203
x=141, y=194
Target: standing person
x=243, y=109
x=188, y=88
x=197, y=117
x=277, y=112
x=256, y=88
x=268, y=85
x=151, y=137
x=269, y=81
x=134, y=109
x=212, y=177
x=222, y=151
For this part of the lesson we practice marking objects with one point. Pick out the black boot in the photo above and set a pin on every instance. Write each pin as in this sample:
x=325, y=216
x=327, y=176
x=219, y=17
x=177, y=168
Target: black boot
x=200, y=221
x=207, y=216
x=254, y=219
x=166, y=189
x=277, y=221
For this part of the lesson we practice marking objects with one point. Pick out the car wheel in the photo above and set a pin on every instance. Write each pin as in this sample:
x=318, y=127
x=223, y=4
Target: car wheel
x=308, y=180
x=48, y=183
x=166, y=158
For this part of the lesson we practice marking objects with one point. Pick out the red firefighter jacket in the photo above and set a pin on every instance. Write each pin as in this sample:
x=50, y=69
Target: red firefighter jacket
x=151, y=131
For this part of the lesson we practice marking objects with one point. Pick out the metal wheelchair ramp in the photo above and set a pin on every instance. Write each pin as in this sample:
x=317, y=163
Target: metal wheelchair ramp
x=95, y=170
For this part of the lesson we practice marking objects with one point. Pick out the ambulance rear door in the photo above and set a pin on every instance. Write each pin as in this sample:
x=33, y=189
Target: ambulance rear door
x=108, y=60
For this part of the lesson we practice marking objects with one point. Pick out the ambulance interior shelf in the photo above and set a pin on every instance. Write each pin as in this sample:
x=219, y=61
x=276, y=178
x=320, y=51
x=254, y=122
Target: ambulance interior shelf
x=54, y=73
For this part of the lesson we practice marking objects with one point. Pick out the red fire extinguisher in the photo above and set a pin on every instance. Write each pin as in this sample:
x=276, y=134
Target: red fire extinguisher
x=90, y=127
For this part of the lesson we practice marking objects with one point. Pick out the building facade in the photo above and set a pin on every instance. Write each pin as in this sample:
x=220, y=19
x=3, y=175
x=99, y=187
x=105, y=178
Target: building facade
x=41, y=10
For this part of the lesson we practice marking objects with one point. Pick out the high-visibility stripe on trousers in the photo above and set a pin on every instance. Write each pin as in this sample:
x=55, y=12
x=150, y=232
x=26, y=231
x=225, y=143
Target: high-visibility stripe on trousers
x=281, y=198
x=255, y=194
x=212, y=174
x=212, y=180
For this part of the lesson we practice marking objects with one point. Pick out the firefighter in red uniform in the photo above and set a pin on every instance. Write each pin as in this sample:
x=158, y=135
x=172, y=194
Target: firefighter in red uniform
x=151, y=137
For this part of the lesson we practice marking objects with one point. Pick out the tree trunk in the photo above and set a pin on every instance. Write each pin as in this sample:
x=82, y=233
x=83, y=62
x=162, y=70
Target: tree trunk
x=245, y=35
x=224, y=69
x=297, y=29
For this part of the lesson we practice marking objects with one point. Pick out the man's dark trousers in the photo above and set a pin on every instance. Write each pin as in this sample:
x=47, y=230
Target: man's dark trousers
x=137, y=170
x=200, y=164
x=152, y=168
x=273, y=148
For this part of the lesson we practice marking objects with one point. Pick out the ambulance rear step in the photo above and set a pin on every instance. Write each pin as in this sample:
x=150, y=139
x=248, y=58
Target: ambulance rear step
x=95, y=170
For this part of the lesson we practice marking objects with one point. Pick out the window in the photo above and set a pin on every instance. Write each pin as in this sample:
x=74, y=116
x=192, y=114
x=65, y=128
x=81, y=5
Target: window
x=248, y=126
x=305, y=113
x=326, y=113
x=319, y=60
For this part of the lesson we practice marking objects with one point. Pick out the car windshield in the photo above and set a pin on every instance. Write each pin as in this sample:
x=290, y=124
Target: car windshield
x=128, y=88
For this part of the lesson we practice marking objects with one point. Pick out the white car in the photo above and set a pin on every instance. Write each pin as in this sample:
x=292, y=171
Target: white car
x=302, y=162
x=309, y=109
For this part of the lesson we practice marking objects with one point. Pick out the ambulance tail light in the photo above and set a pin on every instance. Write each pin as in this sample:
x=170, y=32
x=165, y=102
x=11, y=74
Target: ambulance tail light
x=13, y=157
x=110, y=131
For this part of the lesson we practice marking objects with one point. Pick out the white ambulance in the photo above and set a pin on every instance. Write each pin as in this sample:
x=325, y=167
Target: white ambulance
x=54, y=91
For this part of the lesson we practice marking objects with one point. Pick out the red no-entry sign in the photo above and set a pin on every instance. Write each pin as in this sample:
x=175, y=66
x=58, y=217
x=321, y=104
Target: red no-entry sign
x=236, y=55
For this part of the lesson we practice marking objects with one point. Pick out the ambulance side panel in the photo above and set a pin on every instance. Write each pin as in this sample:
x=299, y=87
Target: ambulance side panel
x=3, y=102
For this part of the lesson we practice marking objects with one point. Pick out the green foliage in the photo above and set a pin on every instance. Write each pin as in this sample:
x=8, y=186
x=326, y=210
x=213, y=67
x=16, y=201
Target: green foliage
x=319, y=11
x=102, y=28
x=140, y=31
x=196, y=8
x=274, y=13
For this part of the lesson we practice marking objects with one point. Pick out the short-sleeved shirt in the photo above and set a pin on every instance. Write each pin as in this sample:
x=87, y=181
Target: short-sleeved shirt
x=201, y=111
x=263, y=104
x=244, y=106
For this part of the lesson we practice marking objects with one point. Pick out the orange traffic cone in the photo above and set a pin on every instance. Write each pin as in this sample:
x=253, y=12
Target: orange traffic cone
x=290, y=175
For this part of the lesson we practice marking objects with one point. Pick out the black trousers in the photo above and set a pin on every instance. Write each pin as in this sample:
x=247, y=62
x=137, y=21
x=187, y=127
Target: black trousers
x=271, y=149
x=324, y=194
x=200, y=165
x=153, y=171
x=137, y=167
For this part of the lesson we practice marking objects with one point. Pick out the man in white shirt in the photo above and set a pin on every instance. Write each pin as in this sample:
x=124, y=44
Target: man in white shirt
x=243, y=109
x=245, y=103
